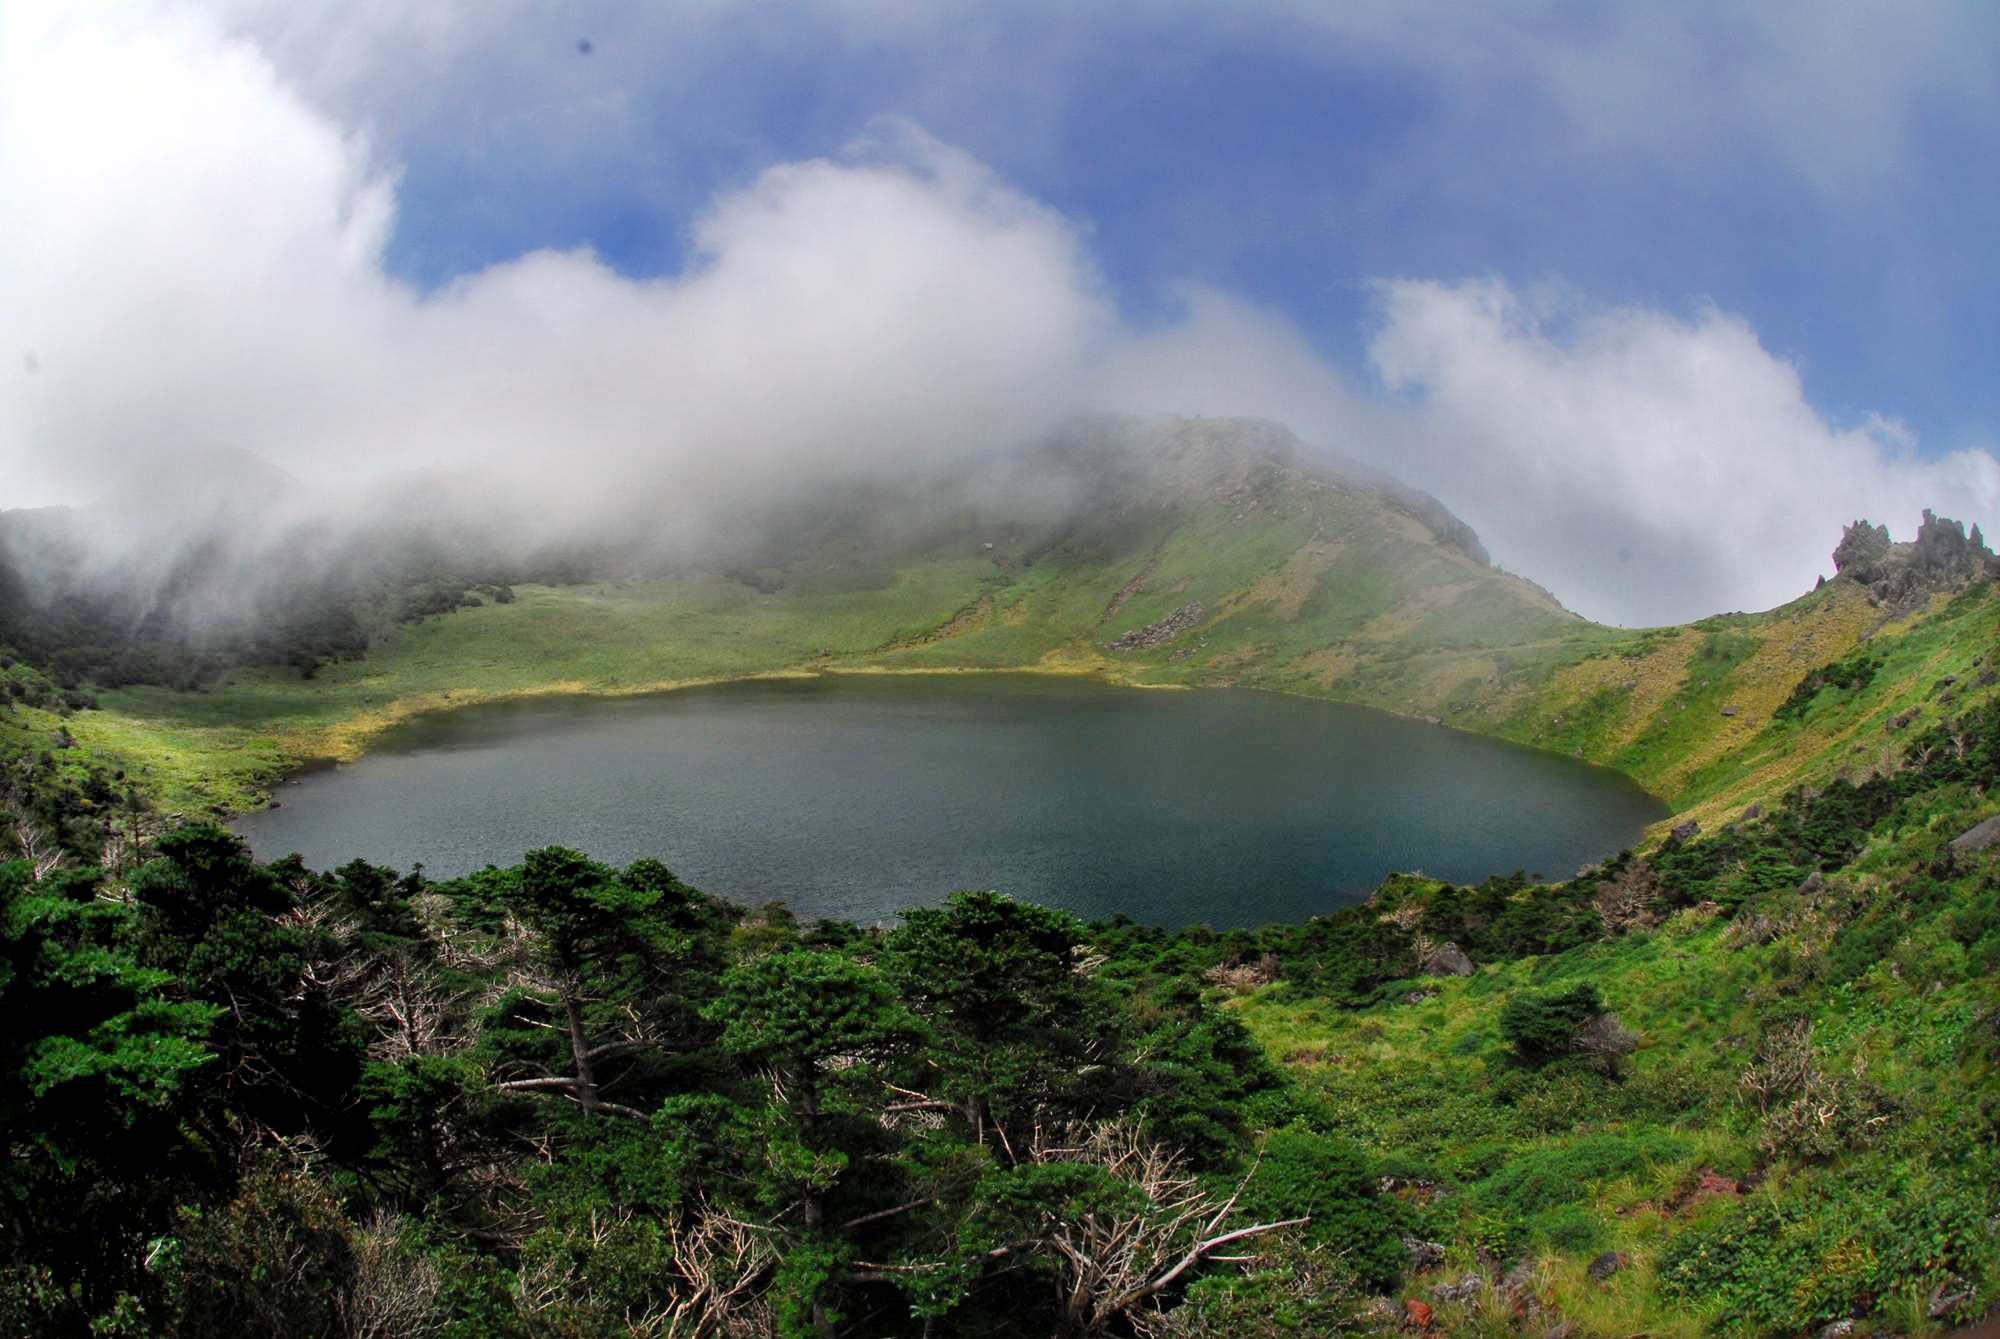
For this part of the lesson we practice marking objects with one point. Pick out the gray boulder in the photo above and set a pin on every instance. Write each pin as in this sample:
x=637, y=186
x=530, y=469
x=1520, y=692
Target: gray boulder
x=1448, y=959
x=1978, y=837
x=1464, y=1290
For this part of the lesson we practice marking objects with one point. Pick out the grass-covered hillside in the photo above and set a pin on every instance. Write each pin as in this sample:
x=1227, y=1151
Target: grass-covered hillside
x=1742, y=1081
x=1179, y=552
x=1743, y=1084
x=1156, y=552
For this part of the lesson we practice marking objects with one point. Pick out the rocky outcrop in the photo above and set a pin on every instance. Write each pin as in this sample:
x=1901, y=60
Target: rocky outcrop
x=1861, y=550
x=1447, y=959
x=1942, y=558
x=1161, y=632
x=1978, y=837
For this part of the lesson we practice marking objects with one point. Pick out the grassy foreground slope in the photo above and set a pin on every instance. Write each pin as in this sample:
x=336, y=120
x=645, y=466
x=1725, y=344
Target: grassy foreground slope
x=1744, y=1083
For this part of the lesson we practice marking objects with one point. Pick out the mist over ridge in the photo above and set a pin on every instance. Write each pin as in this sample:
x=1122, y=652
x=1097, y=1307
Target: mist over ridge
x=203, y=281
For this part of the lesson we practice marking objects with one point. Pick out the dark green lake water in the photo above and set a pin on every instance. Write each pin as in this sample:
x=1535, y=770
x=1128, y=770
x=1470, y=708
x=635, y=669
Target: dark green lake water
x=856, y=796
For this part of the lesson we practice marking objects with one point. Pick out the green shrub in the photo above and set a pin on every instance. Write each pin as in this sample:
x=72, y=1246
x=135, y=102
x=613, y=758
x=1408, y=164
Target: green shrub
x=1542, y=1028
x=1329, y=1178
x=1833, y=1248
x=1572, y=1228
x=1291, y=1291
x=1550, y=1177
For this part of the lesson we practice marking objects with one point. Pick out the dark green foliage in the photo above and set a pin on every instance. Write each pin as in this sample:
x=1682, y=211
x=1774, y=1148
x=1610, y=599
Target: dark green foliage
x=1543, y=1028
x=1287, y=1292
x=275, y=1260
x=1011, y=1021
x=1301, y=1172
x=565, y=1085
x=1830, y=1246
x=1850, y=673
x=1552, y=1177
x=1201, y=1068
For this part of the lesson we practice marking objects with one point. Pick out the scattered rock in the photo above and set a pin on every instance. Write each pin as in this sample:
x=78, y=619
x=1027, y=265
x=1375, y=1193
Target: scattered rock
x=1607, y=1264
x=1840, y=1329
x=1562, y=1329
x=1464, y=1290
x=1418, y=1313
x=1448, y=959
x=1978, y=837
x=1419, y=996
x=1815, y=882
x=1729, y=711
x=1518, y=1279
x=1687, y=831
x=1755, y=811
x=1383, y=1313
x=1162, y=632
x=1900, y=719
x=1423, y=1254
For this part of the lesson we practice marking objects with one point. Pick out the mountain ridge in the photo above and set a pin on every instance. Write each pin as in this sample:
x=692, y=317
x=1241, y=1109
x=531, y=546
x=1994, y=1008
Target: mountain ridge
x=1162, y=552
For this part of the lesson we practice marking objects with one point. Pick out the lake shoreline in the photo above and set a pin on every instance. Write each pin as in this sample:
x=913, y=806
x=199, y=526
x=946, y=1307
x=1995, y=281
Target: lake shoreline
x=812, y=788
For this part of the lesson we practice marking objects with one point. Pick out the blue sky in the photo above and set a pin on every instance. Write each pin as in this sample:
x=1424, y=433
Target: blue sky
x=1656, y=296
x=1292, y=162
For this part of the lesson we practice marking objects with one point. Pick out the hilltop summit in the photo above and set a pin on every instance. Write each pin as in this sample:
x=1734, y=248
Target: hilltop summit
x=1942, y=558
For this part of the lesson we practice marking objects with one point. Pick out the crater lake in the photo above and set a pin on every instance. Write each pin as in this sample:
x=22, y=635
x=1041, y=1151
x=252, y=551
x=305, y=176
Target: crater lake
x=853, y=796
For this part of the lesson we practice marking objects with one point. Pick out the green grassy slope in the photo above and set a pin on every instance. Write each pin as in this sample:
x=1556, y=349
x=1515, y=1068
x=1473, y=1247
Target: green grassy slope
x=1865, y=1189
x=1256, y=569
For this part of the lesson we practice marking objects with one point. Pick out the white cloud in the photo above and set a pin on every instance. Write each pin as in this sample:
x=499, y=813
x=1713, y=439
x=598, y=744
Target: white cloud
x=193, y=258
x=1651, y=466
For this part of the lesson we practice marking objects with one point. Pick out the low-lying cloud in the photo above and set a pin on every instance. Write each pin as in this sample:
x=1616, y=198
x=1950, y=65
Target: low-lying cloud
x=1666, y=464
x=194, y=261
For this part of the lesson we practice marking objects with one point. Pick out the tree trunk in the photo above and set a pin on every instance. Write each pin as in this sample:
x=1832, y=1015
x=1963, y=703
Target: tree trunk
x=579, y=1050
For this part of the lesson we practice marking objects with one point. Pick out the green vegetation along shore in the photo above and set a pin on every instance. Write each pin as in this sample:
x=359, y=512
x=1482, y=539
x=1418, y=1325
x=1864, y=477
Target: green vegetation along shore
x=1221, y=560
x=1741, y=1081
x=1743, y=1084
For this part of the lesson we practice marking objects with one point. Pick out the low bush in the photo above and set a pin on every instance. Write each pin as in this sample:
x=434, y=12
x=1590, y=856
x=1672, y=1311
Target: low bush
x=1543, y=1028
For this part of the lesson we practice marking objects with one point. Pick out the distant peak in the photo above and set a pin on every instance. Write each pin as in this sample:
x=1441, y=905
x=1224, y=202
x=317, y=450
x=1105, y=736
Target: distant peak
x=1942, y=557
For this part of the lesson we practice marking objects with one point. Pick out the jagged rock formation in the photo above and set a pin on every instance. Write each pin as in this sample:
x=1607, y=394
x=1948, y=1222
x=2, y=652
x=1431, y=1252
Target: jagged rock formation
x=1861, y=549
x=1942, y=558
